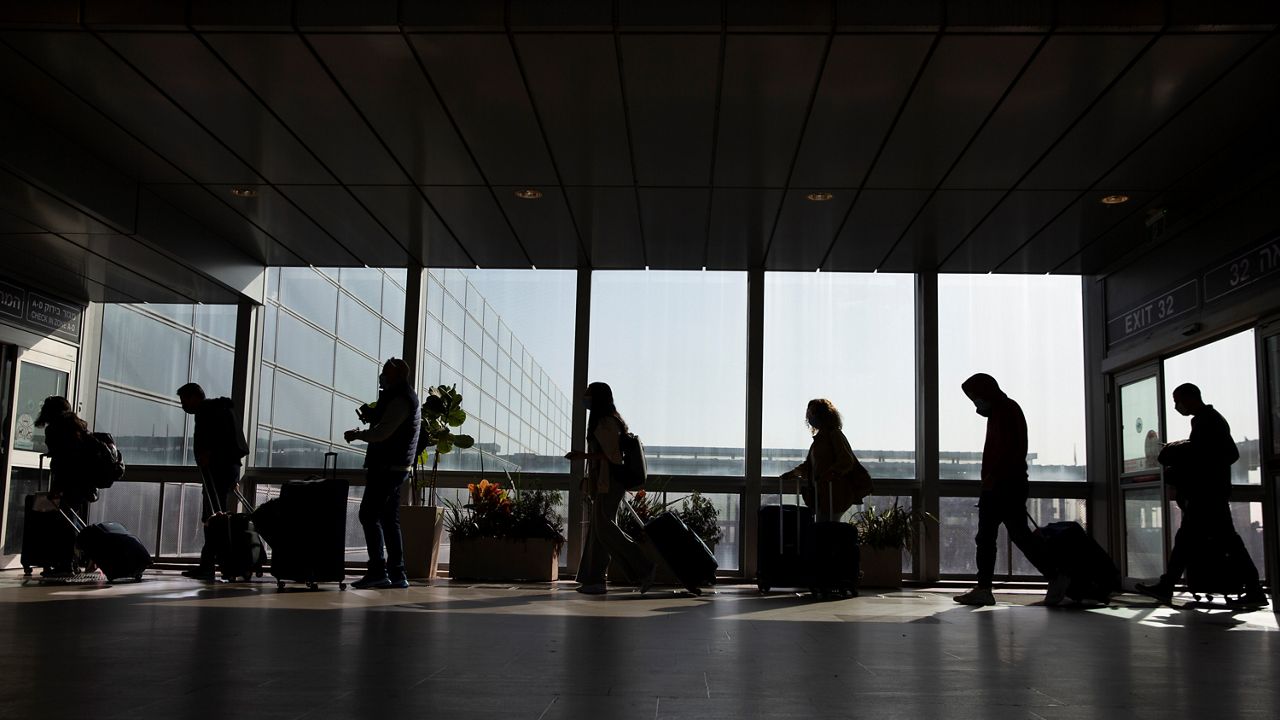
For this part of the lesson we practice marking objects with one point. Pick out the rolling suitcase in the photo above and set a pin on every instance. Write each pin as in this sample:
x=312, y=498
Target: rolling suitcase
x=310, y=542
x=780, y=560
x=47, y=541
x=834, y=558
x=680, y=548
x=237, y=548
x=1093, y=574
x=1212, y=571
x=112, y=548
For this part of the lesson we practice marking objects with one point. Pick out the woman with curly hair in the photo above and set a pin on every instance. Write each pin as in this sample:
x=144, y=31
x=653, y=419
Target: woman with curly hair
x=836, y=479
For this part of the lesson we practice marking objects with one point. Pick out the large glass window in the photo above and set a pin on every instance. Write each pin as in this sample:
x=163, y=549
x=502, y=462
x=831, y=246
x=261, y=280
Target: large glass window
x=1225, y=371
x=148, y=352
x=849, y=338
x=505, y=339
x=324, y=343
x=1027, y=332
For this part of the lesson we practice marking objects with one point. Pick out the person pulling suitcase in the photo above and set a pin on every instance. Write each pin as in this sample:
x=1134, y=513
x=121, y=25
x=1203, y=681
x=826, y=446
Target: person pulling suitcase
x=219, y=446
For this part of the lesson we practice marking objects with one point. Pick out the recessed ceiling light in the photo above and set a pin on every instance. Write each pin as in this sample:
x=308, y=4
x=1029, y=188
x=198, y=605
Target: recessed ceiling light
x=819, y=196
x=528, y=194
x=244, y=192
x=1115, y=199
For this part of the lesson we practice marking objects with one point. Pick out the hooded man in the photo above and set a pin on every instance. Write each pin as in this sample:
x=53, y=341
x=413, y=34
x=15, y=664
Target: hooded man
x=219, y=445
x=1004, y=492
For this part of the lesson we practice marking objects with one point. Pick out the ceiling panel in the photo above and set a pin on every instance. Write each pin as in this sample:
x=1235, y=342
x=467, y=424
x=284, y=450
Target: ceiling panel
x=544, y=226
x=408, y=216
x=29, y=89
x=675, y=227
x=671, y=102
x=574, y=83
x=201, y=84
x=98, y=76
x=285, y=74
x=340, y=213
x=51, y=214
x=741, y=222
x=273, y=212
x=865, y=82
x=957, y=91
x=949, y=216
x=381, y=74
x=1014, y=221
x=768, y=81
x=176, y=235
x=1163, y=80
x=53, y=262
x=1211, y=123
x=131, y=254
x=478, y=222
x=877, y=221
x=480, y=83
x=1084, y=220
x=13, y=225
x=805, y=229
x=1068, y=74
x=610, y=225
x=209, y=208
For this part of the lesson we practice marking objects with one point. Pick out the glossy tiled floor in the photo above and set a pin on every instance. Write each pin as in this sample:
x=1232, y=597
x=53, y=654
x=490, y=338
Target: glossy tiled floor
x=172, y=648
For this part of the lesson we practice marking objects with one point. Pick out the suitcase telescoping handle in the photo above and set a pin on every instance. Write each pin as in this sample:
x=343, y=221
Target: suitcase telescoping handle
x=215, y=502
x=626, y=502
x=331, y=471
x=782, y=514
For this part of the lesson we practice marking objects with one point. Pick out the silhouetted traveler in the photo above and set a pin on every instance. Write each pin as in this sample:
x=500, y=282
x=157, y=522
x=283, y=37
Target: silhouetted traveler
x=394, y=423
x=1203, y=492
x=606, y=541
x=1004, y=492
x=66, y=437
x=830, y=464
x=219, y=445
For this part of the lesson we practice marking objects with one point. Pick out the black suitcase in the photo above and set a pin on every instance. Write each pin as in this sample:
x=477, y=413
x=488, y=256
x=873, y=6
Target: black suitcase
x=234, y=541
x=47, y=539
x=1094, y=576
x=113, y=549
x=834, y=558
x=680, y=548
x=310, y=543
x=1212, y=571
x=780, y=557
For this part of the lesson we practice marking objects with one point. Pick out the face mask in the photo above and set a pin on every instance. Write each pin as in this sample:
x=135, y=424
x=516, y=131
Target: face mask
x=982, y=407
x=586, y=403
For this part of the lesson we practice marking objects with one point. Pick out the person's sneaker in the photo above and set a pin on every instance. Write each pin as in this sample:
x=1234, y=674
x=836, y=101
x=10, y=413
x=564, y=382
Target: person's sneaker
x=1159, y=591
x=398, y=583
x=200, y=574
x=647, y=582
x=592, y=589
x=1057, y=589
x=976, y=596
x=372, y=582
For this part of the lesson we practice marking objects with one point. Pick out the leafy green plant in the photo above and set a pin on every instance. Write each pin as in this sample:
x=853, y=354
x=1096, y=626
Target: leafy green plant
x=892, y=528
x=441, y=412
x=515, y=514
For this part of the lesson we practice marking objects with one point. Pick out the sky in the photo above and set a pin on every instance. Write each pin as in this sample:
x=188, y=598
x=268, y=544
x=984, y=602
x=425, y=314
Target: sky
x=672, y=346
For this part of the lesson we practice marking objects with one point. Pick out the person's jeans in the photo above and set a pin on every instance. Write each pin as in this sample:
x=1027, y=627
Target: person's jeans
x=380, y=517
x=1008, y=509
x=1201, y=522
x=606, y=541
x=220, y=481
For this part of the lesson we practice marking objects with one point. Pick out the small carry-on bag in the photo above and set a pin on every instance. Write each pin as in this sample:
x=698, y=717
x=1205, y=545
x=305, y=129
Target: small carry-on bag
x=834, y=558
x=680, y=548
x=1212, y=571
x=1093, y=574
x=237, y=548
x=310, y=543
x=780, y=556
x=47, y=541
x=112, y=548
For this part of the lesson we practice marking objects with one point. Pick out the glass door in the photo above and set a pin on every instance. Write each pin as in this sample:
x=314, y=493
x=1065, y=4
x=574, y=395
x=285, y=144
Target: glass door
x=1269, y=415
x=1140, y=423
x=37, y=373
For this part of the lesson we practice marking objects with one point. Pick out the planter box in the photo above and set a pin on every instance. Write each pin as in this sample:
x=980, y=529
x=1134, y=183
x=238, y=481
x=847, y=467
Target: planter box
x=881, y=567
x=422, y=529
x=500, y=559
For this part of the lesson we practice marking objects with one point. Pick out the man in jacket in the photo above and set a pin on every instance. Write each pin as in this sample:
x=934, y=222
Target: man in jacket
x=394, y=422
x=1203, y=466
x=219, y=445
x=1004, y=492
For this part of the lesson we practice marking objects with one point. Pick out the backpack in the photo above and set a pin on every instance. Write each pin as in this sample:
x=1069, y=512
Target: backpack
x=104, y=460
x=633, y=470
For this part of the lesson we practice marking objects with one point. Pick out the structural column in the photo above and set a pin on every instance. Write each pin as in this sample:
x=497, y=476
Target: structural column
x=928, y=550
x=578, y=438
x=1105, y=525
x=244, y=373
x=415, y=300
x=755, y=419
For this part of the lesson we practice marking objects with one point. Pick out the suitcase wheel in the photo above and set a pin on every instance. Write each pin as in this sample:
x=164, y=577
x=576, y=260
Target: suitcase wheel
x=138, y=577
x=26, y=570
x=342, y=586
x=764, y=587
x=280, y=586
x=313, y=586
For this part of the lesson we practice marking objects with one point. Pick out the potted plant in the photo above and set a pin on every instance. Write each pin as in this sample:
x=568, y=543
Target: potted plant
x=422, y=526
x=697, y=512
x=883, y=535
x=505, y=534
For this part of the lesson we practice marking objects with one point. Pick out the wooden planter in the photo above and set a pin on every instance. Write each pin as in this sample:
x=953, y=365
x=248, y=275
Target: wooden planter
x=422, y=528
x=500, y=559
x=881, y=567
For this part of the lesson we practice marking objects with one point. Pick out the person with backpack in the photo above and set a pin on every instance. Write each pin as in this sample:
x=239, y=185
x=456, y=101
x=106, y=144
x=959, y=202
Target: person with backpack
x=604, y=488
x=836, y=479
x=1200, y=474
x=71, y=454
x=219, y=445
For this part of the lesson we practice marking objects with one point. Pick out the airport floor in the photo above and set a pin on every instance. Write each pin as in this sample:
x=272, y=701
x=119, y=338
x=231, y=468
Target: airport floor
x=169, y=647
